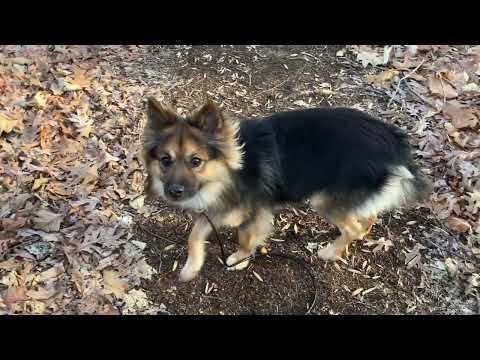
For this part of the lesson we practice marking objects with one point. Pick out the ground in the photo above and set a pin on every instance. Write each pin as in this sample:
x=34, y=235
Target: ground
x=412, y=261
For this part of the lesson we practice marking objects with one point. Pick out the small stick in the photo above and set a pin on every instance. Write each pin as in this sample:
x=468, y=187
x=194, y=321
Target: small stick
x=158, y=236
x=426, y=101
x=402, y=79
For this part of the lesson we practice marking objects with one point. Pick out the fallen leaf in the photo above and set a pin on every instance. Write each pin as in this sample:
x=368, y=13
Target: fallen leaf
x=6, y=124
x=78, y=81
x=47, y=221
x=370, y=56
x=135, y=300
x=407, y=64
x=138, y=202
x=113, y=283
x=39, y=182
x=451, y=265
x=414, y=257
x=20, y=60
x=14, y=295
x=441, y=88
x=40, y=294
x=40, y=99
x=382, y=79
x=50, y=274
x=12, y=225
x=462, y=117
x=58, y=188
x=108, y=309
x=471, y=87
x=143, y=270
x=46, y=136
x=459, y=225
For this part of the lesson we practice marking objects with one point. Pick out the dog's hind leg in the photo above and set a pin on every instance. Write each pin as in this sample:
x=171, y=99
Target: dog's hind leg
x=351, y=228
x=250, y=235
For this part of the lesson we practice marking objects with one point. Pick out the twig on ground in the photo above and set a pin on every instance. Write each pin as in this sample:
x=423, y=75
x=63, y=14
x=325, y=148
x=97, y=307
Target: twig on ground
x=402, y=79
x=452, y=253
x=422, y=98
x=159, y=236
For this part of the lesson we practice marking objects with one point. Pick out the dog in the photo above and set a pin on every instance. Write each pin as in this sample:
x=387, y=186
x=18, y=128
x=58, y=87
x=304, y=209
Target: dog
x=348, y=164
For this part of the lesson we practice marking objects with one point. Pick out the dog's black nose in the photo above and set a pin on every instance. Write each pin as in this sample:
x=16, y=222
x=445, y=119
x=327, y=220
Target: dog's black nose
x=175, y=191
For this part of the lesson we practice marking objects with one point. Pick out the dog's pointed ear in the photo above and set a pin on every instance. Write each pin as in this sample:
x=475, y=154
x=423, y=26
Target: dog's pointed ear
x=159, y=115
x=208, y=118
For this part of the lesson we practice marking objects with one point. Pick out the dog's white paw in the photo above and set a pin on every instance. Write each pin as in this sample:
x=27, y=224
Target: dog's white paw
x=328, y=253
x=235, y=257
x=188, y=273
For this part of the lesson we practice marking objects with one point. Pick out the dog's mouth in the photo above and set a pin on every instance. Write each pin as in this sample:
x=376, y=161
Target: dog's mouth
x=192, y=201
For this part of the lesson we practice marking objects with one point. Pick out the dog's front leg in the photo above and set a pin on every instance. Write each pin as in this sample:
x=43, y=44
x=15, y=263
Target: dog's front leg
x=196, y=249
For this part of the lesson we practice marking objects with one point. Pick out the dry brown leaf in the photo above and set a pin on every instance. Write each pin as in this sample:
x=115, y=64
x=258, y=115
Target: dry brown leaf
x=143, y=270
x=462, y=117
x=50, y=274
x=40, y=99
x=441, y=88
x=113, y=283
x=6, y=124
x=451, y=266
x=78, y=81
x=137, y=181
x=58, y=188
x=12, y=225
x=135, y=300
x=108, y=309
x=382, y=79
x=407, y=64
x=86, y=174
x=40, y=293
x=15, y=295
x=138, y=202
x=47, y=221
x=40, y=182
x=46, y=136
x=414, y=257
x=370, y=56
x=20, y=60
x=459, y=225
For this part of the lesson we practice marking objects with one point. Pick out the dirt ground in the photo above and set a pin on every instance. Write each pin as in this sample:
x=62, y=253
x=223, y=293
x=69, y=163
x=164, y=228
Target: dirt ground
x=393, y=271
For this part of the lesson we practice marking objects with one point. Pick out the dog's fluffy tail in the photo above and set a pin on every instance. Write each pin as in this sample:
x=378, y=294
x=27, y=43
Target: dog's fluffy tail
x=416, y=186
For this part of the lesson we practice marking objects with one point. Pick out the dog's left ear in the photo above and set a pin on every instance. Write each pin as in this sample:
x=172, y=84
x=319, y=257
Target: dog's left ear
x=208, y=118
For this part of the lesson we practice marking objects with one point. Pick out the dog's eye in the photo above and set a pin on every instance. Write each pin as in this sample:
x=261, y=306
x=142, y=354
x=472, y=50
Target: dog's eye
x=166, y=161
x=196, y=162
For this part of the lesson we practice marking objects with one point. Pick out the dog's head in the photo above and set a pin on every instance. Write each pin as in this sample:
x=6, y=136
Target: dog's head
x=189, y=159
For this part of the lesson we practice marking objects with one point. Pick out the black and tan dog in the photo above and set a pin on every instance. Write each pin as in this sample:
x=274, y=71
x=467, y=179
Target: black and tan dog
x=349, y=165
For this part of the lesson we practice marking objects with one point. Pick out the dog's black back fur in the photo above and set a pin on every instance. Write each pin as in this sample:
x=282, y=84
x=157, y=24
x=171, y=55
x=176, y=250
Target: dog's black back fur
x=291, y=155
